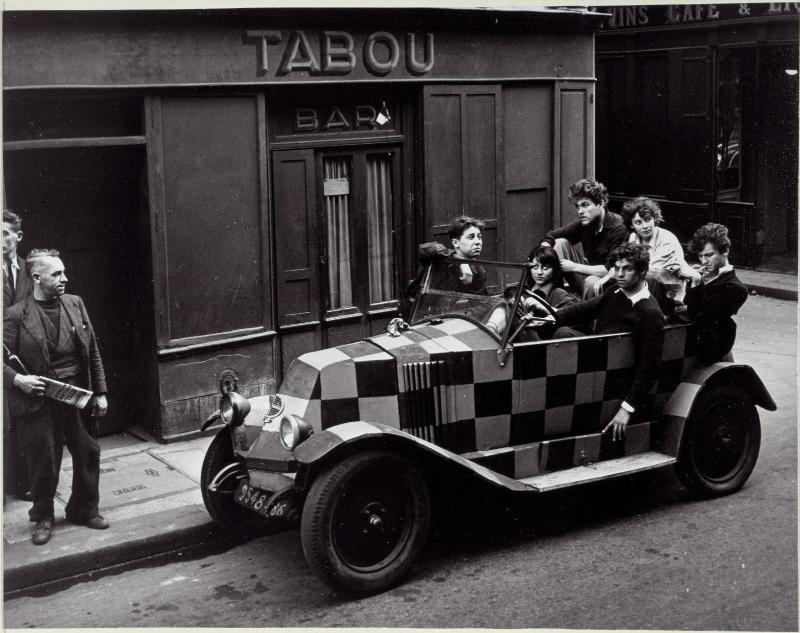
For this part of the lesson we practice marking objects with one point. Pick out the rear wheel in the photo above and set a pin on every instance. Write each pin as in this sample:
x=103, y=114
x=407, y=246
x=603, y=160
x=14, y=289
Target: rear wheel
x=365, y=521
x=219, y=503
x=721, y=442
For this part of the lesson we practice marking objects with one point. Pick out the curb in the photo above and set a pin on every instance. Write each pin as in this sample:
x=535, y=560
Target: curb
x=125, y=542
x=785, y=294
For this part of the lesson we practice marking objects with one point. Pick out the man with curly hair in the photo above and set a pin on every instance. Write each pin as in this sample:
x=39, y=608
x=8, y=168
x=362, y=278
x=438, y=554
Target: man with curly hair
x=628, y=308
x=584, y=246
x=717, y=295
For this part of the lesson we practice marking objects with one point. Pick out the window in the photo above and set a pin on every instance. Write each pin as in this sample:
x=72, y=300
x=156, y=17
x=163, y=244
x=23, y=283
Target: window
x=336, y=188
x=379, y=224
x=358, y=220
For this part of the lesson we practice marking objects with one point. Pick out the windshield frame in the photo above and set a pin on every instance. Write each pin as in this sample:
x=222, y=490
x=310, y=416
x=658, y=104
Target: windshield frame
x=503, y=338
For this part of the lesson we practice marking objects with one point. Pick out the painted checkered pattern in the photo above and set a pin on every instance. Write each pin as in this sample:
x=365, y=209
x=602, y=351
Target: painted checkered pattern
x=542, y=411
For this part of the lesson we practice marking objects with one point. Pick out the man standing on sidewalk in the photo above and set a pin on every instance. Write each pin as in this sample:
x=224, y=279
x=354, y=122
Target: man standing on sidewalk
x=17, y=285
x=51, y=334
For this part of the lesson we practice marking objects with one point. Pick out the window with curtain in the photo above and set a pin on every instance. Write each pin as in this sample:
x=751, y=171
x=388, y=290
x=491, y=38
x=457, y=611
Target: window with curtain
x=336, y=185
x=379, y=227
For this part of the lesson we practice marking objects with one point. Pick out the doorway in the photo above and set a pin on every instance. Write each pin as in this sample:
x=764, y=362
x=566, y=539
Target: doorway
x=344, y=205
x=88, y=203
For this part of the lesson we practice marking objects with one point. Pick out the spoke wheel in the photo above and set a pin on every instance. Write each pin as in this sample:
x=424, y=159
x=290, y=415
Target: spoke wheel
x=365, y=521
x=721, y=443
x=220, y=504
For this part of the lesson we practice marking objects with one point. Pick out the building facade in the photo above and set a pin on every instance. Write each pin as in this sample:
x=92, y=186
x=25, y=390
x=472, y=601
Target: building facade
x=230, y=189
x=697, y=107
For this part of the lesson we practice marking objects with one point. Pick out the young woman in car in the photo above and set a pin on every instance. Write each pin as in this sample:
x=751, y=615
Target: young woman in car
x=545, y=279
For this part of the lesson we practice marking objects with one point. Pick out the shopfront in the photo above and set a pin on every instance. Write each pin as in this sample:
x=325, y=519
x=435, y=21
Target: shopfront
x=697, y=106
x=232, y=189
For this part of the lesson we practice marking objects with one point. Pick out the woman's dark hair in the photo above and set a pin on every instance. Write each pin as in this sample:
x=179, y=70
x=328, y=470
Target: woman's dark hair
x=547, y=256
x=589, y=188
x=711, y=233
x=645, y=207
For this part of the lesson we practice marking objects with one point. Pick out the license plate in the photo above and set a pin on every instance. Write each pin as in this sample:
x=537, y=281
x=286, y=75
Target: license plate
x=267, y=504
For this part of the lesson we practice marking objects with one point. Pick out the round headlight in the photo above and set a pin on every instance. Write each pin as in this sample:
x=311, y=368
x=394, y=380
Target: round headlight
x=293, y=431
x=233, y=408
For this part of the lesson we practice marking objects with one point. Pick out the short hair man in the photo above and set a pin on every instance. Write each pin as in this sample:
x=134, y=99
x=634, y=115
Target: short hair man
x=466, y=240
x=712, y=300
x=628, y=308
x=16, y=282
x=584, y=246
x=17, y=285
x=50, y=332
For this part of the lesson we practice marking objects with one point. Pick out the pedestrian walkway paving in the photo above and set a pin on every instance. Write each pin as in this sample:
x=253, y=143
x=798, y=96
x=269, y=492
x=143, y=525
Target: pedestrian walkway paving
x=150, y=493
x=776, y=285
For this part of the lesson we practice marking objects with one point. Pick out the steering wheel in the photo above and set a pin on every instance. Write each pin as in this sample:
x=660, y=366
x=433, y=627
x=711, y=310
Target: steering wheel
x=530, y=304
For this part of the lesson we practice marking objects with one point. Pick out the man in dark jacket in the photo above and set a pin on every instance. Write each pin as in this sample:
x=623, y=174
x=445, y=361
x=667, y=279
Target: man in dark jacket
x=628, y=308
x=717, y=296
x=17, y=285
x=52, y=336
x=584, y=246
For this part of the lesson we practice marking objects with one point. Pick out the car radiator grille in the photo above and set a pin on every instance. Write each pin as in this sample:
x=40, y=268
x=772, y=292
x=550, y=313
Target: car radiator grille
x=425, y=399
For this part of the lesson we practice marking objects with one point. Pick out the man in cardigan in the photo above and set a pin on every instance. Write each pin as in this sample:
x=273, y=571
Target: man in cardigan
x=627, y=308
x=51, y=334
x=17, y=285
x=712, y=300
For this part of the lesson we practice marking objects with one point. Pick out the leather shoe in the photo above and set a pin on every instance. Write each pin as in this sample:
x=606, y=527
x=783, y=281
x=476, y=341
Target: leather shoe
x=24, y=495
x=42, y=531
x=95, y=522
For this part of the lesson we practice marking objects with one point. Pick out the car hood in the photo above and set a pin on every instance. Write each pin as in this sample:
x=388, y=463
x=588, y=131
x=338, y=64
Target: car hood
x=364, y=380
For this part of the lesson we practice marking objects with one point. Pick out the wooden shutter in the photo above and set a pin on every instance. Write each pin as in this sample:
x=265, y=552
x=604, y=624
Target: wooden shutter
x=296, y=238
x=463, y=159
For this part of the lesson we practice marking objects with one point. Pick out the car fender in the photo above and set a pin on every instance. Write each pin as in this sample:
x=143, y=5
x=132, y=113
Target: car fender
x=680, y=404
x=332, y=444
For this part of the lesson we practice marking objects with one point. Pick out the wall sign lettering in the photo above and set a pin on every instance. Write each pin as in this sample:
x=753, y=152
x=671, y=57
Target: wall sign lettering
x=339, y=53
x=674, y=14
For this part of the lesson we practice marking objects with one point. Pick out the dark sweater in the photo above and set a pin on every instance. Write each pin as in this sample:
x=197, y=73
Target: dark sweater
x=711, y=306
x=596, y=246
x=614, y=312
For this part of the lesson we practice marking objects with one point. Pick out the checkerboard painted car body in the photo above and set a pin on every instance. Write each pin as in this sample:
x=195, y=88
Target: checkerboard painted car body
x=527, y=417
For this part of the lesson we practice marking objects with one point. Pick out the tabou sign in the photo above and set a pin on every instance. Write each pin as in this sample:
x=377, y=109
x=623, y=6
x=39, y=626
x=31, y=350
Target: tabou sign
x=381, y=53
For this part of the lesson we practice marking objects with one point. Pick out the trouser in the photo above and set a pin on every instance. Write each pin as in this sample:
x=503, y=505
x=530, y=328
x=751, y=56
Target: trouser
x=44, y=434
x=15, y=463
x=579, y=284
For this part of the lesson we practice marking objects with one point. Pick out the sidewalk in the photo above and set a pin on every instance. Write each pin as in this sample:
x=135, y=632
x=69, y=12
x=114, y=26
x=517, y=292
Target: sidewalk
x=775, y=285
x=150, y=493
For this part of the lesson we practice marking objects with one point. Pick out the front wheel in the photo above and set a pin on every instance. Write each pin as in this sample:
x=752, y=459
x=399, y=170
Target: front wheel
x=219, y=503
x=365, y=521
x=721, y=443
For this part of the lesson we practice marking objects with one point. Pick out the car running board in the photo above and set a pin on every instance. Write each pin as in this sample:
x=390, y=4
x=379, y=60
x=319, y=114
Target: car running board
x=598, y=471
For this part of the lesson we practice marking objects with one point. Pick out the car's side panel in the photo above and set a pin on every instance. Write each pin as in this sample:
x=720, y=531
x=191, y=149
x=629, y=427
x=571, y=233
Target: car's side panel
x=319, y=446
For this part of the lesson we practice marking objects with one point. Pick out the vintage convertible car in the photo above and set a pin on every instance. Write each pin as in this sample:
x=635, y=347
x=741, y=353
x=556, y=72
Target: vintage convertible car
x=358, y=436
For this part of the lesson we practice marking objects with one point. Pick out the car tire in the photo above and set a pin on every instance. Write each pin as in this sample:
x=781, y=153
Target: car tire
x=721, y=442
x=220, y=504
x=365, y=521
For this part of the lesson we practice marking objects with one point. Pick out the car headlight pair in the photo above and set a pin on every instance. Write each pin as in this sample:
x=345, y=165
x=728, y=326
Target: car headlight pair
x=294, y=430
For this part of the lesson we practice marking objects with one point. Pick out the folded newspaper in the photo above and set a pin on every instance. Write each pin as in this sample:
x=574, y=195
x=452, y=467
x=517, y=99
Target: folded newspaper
x=55, y=389
x=68, y=394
